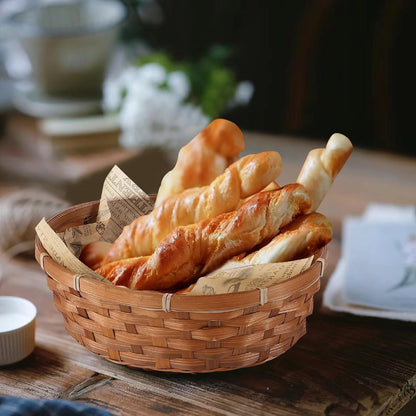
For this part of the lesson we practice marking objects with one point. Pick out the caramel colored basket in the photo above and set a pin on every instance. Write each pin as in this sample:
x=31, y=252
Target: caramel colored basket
x=178, y=332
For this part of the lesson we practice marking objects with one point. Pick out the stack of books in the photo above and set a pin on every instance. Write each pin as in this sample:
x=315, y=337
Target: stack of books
x=72, y=156
x=57, y=137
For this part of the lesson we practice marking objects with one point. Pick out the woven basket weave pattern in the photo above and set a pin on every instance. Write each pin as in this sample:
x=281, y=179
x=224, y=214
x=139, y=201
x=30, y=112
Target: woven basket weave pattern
x=189, y=333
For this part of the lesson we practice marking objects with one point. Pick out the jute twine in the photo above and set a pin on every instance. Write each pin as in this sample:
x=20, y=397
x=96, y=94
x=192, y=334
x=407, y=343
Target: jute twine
x=20, y=212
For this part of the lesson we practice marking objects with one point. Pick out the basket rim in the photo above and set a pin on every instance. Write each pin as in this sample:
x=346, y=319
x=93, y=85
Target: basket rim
x=154, y=300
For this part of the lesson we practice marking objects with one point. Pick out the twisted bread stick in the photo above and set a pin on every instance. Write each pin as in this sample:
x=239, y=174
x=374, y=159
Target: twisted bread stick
x=322, y=166
x=93, y=254
x=245, y=177
x=197, y=249
x=299, y=239
x=204, y=158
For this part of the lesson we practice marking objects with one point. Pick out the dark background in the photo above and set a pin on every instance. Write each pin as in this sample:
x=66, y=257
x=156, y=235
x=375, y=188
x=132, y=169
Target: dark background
x=318, y=66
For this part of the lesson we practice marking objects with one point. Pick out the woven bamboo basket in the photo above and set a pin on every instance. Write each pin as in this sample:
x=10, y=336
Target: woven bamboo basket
x=179, y=332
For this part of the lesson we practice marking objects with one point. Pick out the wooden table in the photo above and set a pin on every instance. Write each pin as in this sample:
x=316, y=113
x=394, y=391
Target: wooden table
x=344, y=365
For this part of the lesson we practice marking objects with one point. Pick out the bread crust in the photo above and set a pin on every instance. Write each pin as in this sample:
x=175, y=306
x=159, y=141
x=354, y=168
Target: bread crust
x=94, y=253
x=245, y=177
x=299, y=239
x=205, y=157
x=196, y=249
x=322, y=166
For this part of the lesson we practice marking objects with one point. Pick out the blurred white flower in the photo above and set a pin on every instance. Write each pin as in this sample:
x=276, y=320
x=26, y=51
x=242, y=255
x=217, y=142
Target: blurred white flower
x=150, y=115
x=179, y=83
x=243, y=93
x=153, y=73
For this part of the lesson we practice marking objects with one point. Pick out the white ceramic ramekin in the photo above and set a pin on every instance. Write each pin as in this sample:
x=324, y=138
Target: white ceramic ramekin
x=17, y=329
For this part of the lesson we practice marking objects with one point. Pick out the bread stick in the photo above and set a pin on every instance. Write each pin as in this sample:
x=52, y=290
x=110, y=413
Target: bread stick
x=322, y=166
x=93, y=254
x=245, y=177
x=299, y=239
x=204, y=158
x=196, y=249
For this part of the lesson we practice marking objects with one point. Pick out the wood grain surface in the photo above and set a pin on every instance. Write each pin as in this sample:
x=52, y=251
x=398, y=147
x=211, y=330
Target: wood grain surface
x=344, y=365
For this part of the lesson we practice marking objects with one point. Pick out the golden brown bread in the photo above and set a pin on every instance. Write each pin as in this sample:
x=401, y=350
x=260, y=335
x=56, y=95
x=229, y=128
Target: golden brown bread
x=272, y=186
x=204, y=158
x=299, y=239
x=245, y=177
x=196, y=249
x=93, y=254
x=322, y=166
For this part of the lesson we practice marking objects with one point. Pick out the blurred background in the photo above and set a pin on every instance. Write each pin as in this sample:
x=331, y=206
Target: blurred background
x=86, y=84
x=316, y=66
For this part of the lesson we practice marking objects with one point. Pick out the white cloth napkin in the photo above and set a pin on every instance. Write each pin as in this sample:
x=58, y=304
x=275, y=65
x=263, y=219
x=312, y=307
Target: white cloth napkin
x=353, y=288
x=334, y=299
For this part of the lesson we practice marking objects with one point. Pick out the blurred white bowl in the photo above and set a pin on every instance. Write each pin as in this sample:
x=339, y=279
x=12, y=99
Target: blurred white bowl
x=17, y=329
x=69, y=44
